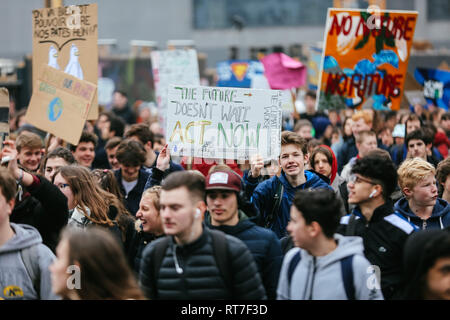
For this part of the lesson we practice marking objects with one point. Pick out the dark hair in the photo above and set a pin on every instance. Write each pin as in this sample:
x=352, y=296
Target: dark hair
x=445, y=116
x=108, y=182
x=442, y=172
x=8, y=184
x=311, y=94
x=193, y=182
x=131, y=153
x=302, y=123
x=379, y=168
x=289, y=137
x=320, y=205
x=158, y=138
x=421, y=252
x=412, y=117
x=418, y=134
x=117, y=125
x=105, y=273
x=324, y=151
x=121, y=92
x=142, y=132
x=86, y=136
x=113, y=142
x=59, y=152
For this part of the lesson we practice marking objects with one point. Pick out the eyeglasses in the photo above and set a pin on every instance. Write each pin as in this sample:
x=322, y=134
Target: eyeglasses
x=62, y=185
x=356, y=179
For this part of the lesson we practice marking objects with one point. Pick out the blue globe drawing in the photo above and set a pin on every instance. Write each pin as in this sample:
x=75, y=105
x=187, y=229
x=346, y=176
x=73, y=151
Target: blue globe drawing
x=54, y=109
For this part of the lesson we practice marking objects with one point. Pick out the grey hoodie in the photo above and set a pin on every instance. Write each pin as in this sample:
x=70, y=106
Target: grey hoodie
x=320, y=278
x=15, y=283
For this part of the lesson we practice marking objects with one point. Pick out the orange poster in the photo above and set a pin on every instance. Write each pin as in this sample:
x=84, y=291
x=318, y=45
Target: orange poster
x=365, y=58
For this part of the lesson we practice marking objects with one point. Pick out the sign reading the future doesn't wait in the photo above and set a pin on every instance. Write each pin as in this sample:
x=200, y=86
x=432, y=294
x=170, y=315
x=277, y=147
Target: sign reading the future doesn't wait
x=365, y=58
x=223, y=123
x=60, y=104
x=65, y=38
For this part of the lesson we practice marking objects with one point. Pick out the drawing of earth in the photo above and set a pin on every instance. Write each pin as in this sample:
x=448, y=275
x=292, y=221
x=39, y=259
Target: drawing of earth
x=55, y=109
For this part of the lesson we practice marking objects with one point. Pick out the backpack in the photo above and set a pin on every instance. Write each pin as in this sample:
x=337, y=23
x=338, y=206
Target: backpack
x=30, y=258
x=270, y=218
x=220, y=248
x=346, y=272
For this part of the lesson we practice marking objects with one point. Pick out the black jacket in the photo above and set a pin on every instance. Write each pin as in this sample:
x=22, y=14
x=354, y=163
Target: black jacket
x=384, y=237
x=133, y=198
x=136, y=247
x=201, y=278
x=264, y=246
x=44, y=207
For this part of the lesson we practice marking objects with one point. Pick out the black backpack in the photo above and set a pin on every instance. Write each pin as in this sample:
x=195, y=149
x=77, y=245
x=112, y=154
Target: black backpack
x=271, y=216
x=220, y=248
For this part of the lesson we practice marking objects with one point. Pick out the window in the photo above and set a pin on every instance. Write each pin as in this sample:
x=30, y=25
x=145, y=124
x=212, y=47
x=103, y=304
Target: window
x=438, y=10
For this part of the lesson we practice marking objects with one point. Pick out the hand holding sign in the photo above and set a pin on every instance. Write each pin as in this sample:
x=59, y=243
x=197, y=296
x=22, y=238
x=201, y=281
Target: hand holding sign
x=256, y=165
x=163, y=162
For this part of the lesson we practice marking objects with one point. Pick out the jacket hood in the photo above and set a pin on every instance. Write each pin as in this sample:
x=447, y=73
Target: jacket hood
x=243, y=224
x=334, y=164
x=25, y=236
x=441, y=138
x=440, y=209
x=312, y=181
x=346, y=246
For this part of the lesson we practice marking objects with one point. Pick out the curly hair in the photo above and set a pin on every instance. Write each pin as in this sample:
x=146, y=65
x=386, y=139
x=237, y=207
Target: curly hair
x=379, y=168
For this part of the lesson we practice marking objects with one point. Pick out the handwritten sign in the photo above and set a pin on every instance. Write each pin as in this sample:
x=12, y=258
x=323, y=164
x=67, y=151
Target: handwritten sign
x=4, y=114
x=436, y=86
x=365, y=58
x=283, y=72
x=65, y=38
x=224, y=123
x=169, y=67
x=60, y=104
x=238, y=73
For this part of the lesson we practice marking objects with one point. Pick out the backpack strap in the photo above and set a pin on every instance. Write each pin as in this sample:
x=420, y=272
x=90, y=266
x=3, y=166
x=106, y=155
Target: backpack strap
x=347, y=277
x=292, y=265
x=220, y=248
x=30, y=258
x=158, y=256
x=270, y=219
x=351, y=227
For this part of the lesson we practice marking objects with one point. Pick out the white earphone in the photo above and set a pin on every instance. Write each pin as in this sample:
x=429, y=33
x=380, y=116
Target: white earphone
x=372, y=193
x=197, y=213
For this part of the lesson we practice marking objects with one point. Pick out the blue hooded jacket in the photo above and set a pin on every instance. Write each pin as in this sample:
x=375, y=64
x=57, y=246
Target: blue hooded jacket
x=440, y=218
x=263, y=198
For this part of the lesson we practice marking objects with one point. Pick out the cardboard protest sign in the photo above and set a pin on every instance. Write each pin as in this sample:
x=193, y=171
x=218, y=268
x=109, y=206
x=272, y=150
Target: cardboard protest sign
x=436, y=86
x=60, y=104
x=170, y=67
x=223, y=123
x=415, y=97
x=238, y=73
x=315, y=58
x=283, y=72
x=65, y=38
x=4, y=115
x=365, y=58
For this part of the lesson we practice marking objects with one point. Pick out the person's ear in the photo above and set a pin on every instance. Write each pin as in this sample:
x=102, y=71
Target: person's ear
x=407, y=192
x=306, y=157
x=11, y=204
x=314, y=229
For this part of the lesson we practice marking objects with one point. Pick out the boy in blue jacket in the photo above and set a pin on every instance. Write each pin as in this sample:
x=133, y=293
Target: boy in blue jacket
x=420, y=204
x=293, y=157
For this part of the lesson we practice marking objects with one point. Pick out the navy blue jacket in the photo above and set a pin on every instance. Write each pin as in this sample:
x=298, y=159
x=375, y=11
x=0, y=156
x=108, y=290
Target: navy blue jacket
x=265, y=191
x=440, y=218
x=132, y=200
x=264, y=246
x=156, y=175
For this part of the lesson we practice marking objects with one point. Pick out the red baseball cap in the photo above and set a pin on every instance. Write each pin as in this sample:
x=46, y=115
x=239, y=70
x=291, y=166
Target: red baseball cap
x=223, y=180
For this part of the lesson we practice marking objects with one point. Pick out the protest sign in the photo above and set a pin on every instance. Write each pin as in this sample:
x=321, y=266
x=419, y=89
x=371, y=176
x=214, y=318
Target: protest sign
x=436, y=86
x=238, y=73
x=65, y=38
x=223, y=123
x=315, y=57
x=4, y=115
x=170, y=67
x=283, y=72
x=60, y=104
x=365, y=58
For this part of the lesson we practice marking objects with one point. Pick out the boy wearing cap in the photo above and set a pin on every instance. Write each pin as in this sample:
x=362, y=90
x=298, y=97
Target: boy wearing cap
x=228, y=212
x=293, y=157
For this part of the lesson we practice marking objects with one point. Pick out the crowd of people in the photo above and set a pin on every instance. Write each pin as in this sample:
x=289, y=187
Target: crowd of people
x=355, y=208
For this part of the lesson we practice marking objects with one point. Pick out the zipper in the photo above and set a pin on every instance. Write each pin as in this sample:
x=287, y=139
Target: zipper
x=424, y=224
x=312, y=278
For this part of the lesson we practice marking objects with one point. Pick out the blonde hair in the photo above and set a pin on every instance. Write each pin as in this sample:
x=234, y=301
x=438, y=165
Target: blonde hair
x=412, y=171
